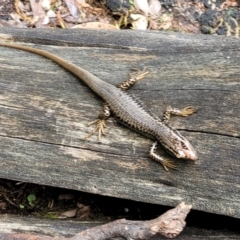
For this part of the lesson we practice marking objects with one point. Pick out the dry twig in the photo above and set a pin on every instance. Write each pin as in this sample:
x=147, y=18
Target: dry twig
x=170, y=224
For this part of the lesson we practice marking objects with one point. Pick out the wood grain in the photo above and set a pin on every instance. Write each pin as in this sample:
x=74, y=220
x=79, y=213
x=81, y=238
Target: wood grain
x=45, y=111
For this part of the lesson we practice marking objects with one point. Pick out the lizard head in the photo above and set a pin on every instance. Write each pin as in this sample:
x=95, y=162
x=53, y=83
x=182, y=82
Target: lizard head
x=180, y=147
x=186, y=151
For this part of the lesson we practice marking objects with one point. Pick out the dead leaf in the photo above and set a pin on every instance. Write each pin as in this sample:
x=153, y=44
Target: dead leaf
x=38, y=13
x=72, y=7
x=166, y=21
x=46, y=4
x=83, y=211
x=68, y=214
x=96, y=25
x=21, y=13
x=24, y=7
x=140, y=22
x=60, y=20
x=154, y=9
x=142, y=6
x=80, y=1
x=46, y=20
x=34, y=20
x=51, y=14
x=153, y=25
x=229, y=3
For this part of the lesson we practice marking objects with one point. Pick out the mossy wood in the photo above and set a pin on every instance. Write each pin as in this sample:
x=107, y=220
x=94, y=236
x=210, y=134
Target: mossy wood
x=45, y=111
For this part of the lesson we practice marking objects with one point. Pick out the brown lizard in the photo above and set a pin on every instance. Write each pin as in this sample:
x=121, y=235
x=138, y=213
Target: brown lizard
x=128, y=110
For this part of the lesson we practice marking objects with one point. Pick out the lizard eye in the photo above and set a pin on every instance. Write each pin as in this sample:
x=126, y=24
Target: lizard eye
x=183, y=145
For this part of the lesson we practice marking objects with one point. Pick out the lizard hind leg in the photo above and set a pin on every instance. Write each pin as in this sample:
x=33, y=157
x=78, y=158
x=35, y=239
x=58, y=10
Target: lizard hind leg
x=189, y=110
x=100, y=122
x=133, y=78
x=166, y=163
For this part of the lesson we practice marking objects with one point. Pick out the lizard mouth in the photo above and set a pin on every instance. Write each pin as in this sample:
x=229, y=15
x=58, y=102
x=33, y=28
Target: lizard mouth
x=186, y=151
x=190, y=154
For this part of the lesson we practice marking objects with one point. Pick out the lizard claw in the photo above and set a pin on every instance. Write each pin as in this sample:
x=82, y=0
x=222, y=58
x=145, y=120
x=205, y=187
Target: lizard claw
x=140, y=74
x=187, y=111
x=100, y=127
x=168, y=164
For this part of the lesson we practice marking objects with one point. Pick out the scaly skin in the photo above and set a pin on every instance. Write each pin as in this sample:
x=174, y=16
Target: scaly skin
x=124, y=107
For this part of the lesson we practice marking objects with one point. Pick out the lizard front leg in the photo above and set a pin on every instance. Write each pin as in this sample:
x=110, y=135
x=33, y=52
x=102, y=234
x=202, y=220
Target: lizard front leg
x=166, y=163
x=179, y=112
x=165, y=119
x=100, y=122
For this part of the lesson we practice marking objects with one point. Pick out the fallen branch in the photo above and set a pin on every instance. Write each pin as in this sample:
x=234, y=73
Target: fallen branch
x=170, y=224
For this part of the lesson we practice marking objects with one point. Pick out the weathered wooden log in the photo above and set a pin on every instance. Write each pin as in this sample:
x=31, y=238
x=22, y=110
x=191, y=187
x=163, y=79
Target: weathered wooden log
x=45, y=111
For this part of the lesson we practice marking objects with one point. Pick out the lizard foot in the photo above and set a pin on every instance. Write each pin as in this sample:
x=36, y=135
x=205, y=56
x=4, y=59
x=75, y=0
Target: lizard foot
x=140, y=74
x=178, y=112
x=168, y=164
x=187, y=111
x=133, y=78
x=100, y=126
